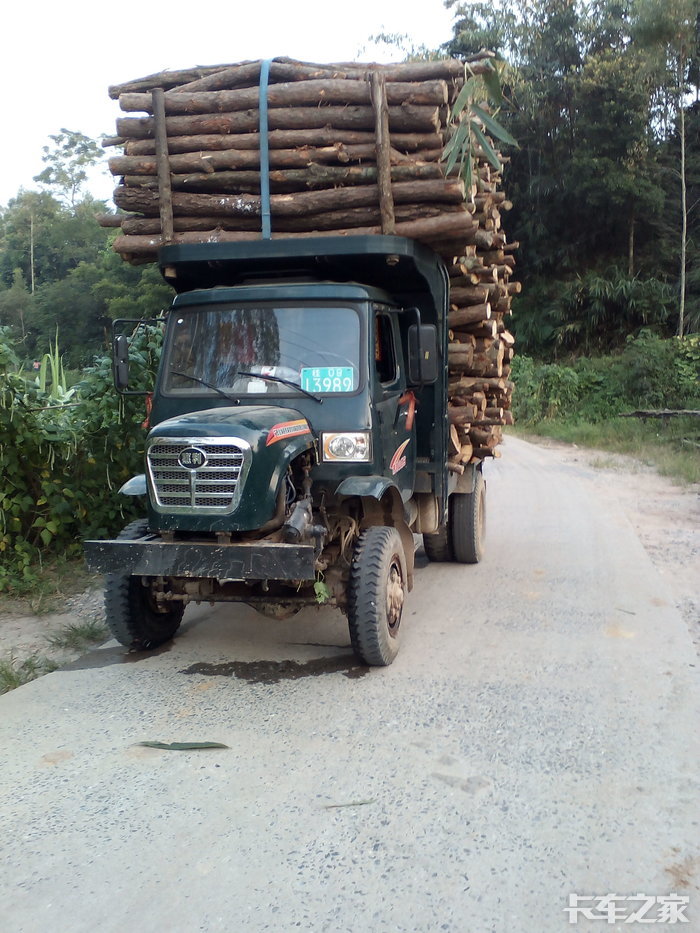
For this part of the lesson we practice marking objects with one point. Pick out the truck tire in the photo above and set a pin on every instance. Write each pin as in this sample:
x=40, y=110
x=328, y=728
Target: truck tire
x=132, y=616
x=376, y=595
x=437, y=547
x=468, y=523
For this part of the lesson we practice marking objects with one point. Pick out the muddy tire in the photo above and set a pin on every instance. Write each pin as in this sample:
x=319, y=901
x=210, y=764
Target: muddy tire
x=437, y=547
x=468, y=523
x=132, y=616
x=376, y=596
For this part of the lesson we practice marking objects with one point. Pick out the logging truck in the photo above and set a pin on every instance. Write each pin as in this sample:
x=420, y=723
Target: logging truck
x=299, y=439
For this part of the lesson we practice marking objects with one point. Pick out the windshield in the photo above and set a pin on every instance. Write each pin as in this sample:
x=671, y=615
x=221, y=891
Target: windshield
x=261, y=350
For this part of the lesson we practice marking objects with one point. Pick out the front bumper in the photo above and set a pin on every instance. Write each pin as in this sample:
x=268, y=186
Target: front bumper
x=151, y=557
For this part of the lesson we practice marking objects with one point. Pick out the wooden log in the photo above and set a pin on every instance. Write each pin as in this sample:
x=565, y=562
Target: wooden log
x=236, y=159
x=165, y=79
x=291, y=94
x=460, y=414
x=454, y=440
x=137, y=249
x=484, y=239
x=485, y=437
x=287, y=180
x=245, y=74
x=379, y=96
x=165, y=197
x=406, y=118
x=458, y=336
x=280, y=139
x=469, y=315
x=110, y=220
x=299, y=203
x=327, y=221
x=412, y=71
x=481, y=383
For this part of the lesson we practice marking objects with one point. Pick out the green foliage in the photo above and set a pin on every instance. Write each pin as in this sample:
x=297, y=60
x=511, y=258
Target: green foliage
x=67, y=163
x=45, y=239
x=77, y=636
x=591, y=313
x=649, y=373
x=51, y=377
x=14, y=672
x=16, y=306
x=62, y=465
x=471, y=121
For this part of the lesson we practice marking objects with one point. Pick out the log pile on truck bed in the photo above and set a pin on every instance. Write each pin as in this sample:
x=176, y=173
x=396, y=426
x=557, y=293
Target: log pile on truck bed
x=353, y=149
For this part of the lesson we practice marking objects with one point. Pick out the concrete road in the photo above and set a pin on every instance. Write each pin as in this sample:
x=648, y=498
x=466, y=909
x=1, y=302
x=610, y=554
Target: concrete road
x=537, y=737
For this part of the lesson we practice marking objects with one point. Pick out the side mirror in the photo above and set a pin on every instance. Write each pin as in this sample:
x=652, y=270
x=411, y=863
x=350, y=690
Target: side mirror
x=422, y=354
x=120, y=363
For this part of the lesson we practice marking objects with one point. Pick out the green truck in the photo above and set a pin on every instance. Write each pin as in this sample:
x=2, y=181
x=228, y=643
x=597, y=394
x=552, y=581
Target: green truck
x=299, y=439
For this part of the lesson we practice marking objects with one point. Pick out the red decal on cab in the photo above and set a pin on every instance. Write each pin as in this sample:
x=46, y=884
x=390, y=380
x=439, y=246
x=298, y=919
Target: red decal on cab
x=280, y=432
x=398, y=461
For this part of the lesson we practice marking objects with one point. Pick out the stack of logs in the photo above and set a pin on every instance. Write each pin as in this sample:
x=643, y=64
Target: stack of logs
x=353, y=149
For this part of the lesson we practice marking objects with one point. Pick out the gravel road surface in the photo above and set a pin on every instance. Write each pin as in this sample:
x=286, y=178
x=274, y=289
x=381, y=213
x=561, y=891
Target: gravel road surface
x=536, y=738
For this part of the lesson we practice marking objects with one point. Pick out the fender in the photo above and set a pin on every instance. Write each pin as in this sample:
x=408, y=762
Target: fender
x=373, y=486
x=378, y=489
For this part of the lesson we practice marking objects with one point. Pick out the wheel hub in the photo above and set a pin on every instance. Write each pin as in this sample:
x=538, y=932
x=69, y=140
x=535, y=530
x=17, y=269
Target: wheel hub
x=394, y=598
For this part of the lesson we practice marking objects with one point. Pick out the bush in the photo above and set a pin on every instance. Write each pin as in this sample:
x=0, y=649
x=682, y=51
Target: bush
x=62, y=464
x=649, y=373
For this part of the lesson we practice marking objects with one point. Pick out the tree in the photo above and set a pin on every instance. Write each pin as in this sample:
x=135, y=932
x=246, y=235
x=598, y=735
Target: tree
x=667, y=30
x=24, y=227
x=16, y=304
x=45, y=239
x=67, y=163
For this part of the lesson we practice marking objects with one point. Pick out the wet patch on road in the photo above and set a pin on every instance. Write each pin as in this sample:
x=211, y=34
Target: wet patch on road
x=106, y=657
x=272, y=672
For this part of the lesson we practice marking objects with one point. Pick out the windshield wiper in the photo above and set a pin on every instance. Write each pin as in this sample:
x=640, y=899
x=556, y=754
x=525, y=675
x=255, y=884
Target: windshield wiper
x=287, y=382
x=209, y=385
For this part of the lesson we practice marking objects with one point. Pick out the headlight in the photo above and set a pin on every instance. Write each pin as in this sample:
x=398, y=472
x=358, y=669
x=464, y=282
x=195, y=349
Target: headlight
x=346, y=446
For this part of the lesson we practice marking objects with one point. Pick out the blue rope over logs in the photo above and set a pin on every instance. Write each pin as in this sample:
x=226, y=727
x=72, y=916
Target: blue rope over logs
x=264, y=152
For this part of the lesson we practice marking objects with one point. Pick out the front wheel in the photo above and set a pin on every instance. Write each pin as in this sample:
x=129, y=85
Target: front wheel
x=468, y=523
x=133, y=616
x=376, y=596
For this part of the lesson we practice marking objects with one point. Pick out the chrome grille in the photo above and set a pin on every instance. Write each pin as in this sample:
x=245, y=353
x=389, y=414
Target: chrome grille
x=213, y=487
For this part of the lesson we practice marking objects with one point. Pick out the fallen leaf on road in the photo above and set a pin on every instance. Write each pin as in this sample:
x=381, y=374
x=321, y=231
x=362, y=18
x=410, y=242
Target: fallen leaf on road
x=353, y=803
x=182, y=746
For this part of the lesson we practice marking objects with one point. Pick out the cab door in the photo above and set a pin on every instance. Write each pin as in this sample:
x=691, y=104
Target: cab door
x=394, y=404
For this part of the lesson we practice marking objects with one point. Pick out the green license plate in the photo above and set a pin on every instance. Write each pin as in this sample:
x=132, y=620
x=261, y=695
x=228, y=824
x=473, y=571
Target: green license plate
x=328, y=379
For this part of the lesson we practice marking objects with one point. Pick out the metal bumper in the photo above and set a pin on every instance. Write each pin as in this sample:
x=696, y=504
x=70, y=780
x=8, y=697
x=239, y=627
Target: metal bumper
x=151, y=557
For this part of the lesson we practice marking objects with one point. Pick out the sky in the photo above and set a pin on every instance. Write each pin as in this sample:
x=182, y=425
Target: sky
x=57, y=60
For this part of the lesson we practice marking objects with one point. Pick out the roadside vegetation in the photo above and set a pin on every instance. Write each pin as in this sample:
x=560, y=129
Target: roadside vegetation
x=585, y=400
x=62, y=645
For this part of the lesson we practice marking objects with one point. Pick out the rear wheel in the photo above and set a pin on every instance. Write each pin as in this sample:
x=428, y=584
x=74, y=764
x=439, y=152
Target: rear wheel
x=134, y=617
x=376, y=595
x=468, y=523
x=437, y=546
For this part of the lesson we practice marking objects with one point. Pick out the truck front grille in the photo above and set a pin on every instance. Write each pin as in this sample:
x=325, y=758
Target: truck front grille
x=214, y=487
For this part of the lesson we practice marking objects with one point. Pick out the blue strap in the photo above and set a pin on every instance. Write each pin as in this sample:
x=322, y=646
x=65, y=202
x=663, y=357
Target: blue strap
x=265, y=152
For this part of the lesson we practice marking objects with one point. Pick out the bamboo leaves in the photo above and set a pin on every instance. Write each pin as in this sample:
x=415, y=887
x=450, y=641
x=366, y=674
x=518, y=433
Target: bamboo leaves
x=471, y=121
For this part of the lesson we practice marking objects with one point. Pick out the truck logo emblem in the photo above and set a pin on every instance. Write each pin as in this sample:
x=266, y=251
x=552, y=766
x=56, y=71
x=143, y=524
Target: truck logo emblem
x=398, y=461
x=192, y=458
x=287, y=429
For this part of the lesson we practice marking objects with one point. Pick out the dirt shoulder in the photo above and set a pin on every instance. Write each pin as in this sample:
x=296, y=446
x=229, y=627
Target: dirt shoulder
x=665, y=516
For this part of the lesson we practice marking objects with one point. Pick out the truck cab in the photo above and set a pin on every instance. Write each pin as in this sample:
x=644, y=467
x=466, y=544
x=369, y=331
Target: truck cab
x=298, y=441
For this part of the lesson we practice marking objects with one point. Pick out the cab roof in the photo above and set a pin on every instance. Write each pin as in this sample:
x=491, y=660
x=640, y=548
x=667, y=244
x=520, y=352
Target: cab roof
x=410, y=272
